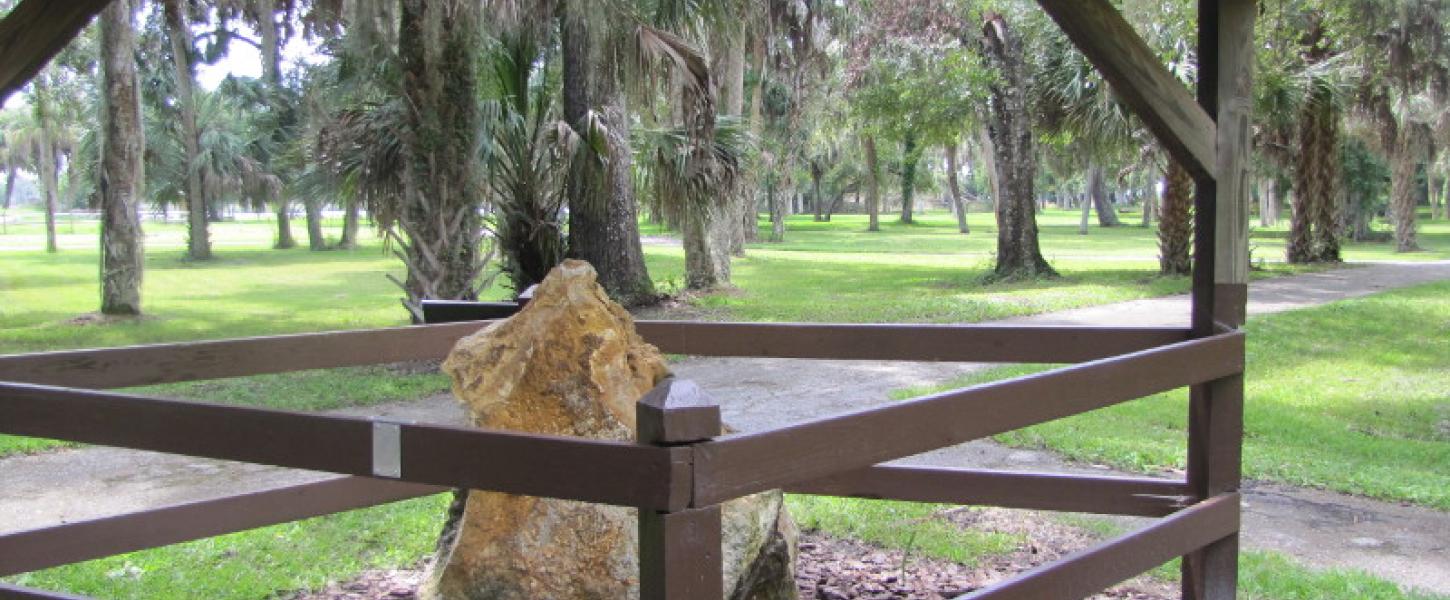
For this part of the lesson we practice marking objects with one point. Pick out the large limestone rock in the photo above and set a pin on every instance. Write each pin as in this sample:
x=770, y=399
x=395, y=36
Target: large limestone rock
x=571, y=363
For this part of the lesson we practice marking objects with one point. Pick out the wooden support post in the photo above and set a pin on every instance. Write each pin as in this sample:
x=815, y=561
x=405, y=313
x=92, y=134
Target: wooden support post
x=679, y=550
x=1220, y=286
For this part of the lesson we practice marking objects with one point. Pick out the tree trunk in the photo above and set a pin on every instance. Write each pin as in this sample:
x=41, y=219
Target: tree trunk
x=707, y=263
x=955, y=188
x=603, y=227
x=5, y=202
x=1402, y=190
x=198, y=241
x=1300, y=247
x=1102, y=202
x=1175, y=222
x=48, y=165
x=1150, y=201
x=439, y=218
x=348, y=241
x=1268, y=216
x=316, y=241
x=816, y=205
x=873, y=184
x=729, y=47
x=750, y=215
x=1314, y=235
x=834, y=205
x=910, y=155
x=777, y=202
x=285, y=241
x=987, y=156
x=1018, y=253
x=50, y=188
x=1433, y=189
x=272, y=76
x=1444, y=199
x=1086, y=205
x=123, y=149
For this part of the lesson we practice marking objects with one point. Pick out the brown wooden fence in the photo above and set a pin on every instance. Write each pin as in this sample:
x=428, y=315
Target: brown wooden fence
x=678, y=473
x=678, y=470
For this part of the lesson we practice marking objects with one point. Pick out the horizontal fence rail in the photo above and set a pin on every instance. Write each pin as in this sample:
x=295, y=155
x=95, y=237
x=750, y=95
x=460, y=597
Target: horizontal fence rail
x=1136, y=496
x=107, y=368
x=955, y=343
x=742, y=464
x=618, y=473
x=1095, y=569
x=47, y=547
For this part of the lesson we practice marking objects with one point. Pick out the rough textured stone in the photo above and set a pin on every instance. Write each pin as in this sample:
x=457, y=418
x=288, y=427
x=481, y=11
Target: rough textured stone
x=571, y=363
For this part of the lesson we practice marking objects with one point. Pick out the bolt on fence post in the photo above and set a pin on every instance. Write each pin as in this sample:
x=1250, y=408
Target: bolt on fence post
x=679, y=551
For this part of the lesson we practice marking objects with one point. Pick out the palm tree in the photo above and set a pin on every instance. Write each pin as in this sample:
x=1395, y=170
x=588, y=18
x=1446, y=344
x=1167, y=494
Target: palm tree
x=1299, y=109
x=695, y=163
x=37, y=144
x=198, y=241
x=1400, y=46
x=406, y=141
x=695, y=181
x=267, y=114
x=437, y=207
x=1175, y=222
x=595, y=38
x=122, y=165
x=12, y=158
x=528, y=153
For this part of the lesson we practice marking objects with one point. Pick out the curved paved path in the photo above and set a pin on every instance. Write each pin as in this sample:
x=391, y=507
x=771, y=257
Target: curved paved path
x=1407, y=544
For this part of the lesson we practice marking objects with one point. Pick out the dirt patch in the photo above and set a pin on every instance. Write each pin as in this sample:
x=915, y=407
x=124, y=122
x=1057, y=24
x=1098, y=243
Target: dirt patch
x=680, y=307
x=88, y=319
x=837, y=569
x=414, y=367
x=395, y=584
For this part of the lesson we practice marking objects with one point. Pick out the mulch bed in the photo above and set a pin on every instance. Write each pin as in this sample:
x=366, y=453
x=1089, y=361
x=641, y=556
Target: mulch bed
x=832, y=568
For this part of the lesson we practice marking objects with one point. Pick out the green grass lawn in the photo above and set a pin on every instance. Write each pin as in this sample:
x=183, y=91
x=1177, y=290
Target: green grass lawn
x=1352, y=396
x=823, y=272
x=260, y=563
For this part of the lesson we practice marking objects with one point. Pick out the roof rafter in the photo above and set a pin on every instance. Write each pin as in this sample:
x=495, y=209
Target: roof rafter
x=34, y=32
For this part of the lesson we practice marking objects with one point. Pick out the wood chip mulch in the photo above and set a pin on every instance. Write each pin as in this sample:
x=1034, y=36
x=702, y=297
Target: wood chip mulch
x=832, y=568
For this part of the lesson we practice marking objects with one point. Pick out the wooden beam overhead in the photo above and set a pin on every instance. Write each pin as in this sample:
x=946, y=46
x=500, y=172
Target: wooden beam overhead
x=35, y=31
x=1141, y=80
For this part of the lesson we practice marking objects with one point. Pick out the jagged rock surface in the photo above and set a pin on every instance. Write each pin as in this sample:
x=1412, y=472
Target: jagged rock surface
x=571, y=363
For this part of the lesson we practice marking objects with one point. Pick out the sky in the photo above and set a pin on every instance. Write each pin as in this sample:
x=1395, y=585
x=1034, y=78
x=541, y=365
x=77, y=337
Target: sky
x=244, y=60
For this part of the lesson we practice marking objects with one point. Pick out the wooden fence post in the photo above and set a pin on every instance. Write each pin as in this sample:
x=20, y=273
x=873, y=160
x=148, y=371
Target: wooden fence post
x=1220, y=289
x=679, y=551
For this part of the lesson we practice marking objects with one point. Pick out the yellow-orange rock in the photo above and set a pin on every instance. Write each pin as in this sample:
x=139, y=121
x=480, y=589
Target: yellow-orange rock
x=571, y=363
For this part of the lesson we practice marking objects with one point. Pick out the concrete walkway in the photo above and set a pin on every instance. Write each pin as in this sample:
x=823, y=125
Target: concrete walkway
x=1406, y=544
